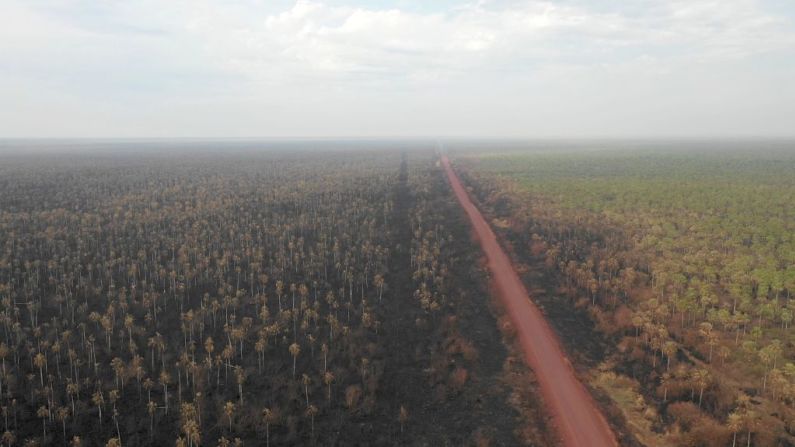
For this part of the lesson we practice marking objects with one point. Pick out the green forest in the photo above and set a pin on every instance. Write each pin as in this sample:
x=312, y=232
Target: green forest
x=683, y=260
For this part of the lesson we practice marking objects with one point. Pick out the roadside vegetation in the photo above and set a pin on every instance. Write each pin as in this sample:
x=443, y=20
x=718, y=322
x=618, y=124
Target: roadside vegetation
x=684, y=262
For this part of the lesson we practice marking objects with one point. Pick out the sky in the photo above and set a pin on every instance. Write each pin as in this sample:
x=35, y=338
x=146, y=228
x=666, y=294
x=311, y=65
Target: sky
x=403, y=68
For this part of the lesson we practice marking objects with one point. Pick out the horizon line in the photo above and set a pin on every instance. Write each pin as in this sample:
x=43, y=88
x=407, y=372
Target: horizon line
x=403, y=138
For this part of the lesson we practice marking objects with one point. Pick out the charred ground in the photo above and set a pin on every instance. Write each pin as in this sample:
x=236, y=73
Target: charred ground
x=301, y=299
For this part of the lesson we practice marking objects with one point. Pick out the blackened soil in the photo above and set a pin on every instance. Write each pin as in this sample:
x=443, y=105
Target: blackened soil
x=501, y=373
x=584, y=344
x=574, y=326
x=440, y=415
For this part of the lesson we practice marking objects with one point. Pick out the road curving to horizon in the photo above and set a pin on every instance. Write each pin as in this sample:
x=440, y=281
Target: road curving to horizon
x=577, y=419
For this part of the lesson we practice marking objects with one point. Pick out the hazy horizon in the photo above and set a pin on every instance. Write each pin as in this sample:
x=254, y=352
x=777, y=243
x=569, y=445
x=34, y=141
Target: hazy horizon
x=208, y=146
x=516, y=69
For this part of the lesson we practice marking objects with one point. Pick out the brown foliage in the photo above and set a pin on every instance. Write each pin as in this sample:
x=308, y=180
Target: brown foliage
x=458, y=378
x=353, y=394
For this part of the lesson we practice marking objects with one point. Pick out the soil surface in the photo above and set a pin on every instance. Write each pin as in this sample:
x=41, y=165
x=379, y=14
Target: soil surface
x=480, y=412
x=575, y=414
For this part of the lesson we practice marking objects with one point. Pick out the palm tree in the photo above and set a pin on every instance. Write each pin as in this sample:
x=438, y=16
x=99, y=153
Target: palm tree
x=152, y=343
x=165, y=377
x=8, y=438
x=701, y=378
x=62, y=414
x=4, y=351
x=259, y=347
x=749, y=421
x=116, y=423
x=227, y=354
x=194, y=435
x=664, y=379
x=151, y=408
x=98, y=399
x=137, y=369
x=669, y=348
x=113, y=396
x=191, y=430
x=72, y=389
x=328, y=378
x=229, y=411
x=769, y=356
x=311, y=411
x=40, y=361
x=209, y=347
x=279, y=291
x=43, y=413
x=378, y=281
x=295, y=349
x=306, y=381
x=735, y=424
x=324, y=350
x=240, y=375
x=148, y=385
x=267, y=418
x=403, y=417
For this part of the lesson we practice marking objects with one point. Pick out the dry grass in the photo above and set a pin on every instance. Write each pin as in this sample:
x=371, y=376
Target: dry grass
x=639, y=415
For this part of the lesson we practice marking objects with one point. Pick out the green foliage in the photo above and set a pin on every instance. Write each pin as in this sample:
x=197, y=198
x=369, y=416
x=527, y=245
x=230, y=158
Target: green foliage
x=699, y=244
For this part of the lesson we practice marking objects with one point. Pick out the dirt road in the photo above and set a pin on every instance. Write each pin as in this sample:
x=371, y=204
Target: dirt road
x=577, y=418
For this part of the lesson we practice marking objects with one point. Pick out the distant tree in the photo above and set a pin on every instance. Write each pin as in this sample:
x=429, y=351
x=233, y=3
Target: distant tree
x=403, y=417
x=43, y=413
x=267, y=418
x=229, y=411
x=669, y=349
x=295, y=349
x=240, y=376
x=328, y=379
x=8, y=438
x=62, y=414
x=311, y=412
x=98, y=399
x=735, y=424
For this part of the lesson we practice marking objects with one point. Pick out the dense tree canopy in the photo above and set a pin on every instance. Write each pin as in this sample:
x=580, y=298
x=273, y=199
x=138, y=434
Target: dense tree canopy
x=686, y=259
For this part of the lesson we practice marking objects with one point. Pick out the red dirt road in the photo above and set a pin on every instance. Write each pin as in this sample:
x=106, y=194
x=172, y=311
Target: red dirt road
x=577, y=419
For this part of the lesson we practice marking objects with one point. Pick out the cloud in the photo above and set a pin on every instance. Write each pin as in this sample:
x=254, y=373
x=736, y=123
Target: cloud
x=316, y=39
x=143, y=57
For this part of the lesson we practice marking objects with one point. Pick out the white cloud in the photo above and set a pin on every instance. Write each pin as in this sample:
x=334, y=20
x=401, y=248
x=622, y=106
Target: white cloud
x=141, y=60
